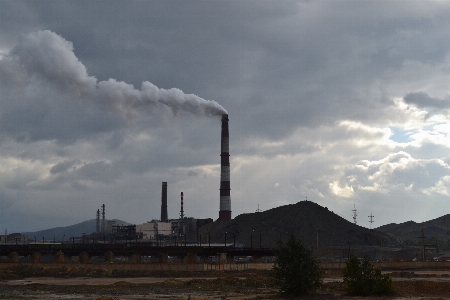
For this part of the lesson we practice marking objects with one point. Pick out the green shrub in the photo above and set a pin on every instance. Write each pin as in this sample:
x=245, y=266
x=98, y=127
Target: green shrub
x=361, y=278
x=296, y=270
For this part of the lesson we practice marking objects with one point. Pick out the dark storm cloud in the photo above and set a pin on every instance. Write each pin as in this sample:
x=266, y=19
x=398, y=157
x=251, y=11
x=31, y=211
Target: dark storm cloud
x=276, y=56
x=423, y=100
x=63, y=166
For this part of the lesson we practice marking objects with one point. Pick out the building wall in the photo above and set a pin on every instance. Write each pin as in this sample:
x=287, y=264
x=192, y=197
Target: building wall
x=151, y=230
x=14, y=238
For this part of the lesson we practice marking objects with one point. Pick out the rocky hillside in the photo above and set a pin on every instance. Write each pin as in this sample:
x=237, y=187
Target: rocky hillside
x=304, y=219
x=434, y=229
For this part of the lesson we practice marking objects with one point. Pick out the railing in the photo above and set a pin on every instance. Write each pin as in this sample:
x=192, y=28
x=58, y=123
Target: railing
x=129, y=248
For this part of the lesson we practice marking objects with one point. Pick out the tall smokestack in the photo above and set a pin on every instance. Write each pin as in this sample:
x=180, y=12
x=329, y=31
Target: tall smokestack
x=225, y=200
x=164, y=217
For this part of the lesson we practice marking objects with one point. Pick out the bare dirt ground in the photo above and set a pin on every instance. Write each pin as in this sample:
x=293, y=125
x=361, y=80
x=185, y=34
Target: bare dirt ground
x=67, y=284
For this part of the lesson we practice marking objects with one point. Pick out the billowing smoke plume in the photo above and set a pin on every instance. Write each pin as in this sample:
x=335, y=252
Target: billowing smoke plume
x=46, y=56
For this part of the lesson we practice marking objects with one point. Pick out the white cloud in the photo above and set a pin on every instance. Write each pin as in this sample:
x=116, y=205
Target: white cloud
x=346, y=191
x=442, y=187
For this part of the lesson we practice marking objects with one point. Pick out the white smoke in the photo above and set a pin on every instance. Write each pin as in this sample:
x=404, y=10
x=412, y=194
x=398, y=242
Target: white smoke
x=44, y=55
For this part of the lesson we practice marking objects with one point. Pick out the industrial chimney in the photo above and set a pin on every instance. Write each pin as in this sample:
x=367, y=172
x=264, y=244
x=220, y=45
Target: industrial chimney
x=182, y=209
x=164, y=217
x=103, y=219
x=225, y=200
x=98, y=221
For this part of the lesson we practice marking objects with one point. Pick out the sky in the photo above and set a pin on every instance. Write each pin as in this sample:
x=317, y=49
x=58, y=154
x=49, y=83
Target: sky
x=343, y=103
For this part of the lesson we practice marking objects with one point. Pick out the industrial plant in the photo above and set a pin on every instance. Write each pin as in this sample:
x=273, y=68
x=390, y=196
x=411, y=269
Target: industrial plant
x=167, y=230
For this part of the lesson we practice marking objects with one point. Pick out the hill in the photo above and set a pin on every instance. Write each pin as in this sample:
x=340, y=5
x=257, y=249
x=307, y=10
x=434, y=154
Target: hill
x=304, y=219
x=437, y=229
x=76, y=230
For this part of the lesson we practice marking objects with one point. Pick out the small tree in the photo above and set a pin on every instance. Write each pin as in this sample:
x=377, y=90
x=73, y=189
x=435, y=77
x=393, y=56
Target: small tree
x=296, y=270
x=361, y=278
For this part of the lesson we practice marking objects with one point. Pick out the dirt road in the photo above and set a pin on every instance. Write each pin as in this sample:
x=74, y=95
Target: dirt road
x=236, y=286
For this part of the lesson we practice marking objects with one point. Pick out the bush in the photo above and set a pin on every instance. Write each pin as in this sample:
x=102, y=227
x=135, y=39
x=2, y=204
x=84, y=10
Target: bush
x=362, y=279
x=296, y=270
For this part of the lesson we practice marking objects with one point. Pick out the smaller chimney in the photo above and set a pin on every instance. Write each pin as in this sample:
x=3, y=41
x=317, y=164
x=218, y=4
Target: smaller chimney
x=103, y=219
x=164, y=217
x=98, y=221
x=182, y=210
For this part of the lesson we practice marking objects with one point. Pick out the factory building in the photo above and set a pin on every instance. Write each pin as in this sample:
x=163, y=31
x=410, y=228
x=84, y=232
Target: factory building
x=124, y=232
x=14, y=238
x=154, y=229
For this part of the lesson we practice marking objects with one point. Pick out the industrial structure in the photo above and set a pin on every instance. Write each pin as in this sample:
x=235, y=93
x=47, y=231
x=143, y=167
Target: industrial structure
x=124, y=232
x=13, y=238
x=103, y=229
x=164, y=229
x=182, y=209
x=164, y=217
x=168, y=229
x=154, y=230
x=225, y=199
x=97, y=223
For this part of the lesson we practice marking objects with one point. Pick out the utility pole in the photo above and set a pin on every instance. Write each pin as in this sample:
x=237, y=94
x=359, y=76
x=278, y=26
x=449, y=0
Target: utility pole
x=354, y=214
x=423, y=245
x=371, y=220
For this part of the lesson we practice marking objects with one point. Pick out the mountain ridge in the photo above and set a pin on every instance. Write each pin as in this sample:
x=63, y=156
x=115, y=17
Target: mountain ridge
x=305, y=219
x=436, y=228
x=65, y=232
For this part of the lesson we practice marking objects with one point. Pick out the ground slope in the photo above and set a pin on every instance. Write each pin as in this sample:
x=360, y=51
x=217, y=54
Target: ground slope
x=437, y=228
x=304, y=219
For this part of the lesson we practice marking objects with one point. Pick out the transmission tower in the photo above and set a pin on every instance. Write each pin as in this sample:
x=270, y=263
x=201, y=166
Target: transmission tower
x=354, y=213
x=371, y=220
